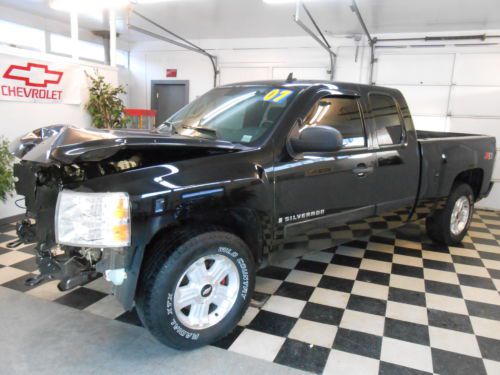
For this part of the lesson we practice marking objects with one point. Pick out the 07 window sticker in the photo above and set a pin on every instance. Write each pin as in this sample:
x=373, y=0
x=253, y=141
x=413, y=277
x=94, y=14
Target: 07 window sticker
x=277, y=95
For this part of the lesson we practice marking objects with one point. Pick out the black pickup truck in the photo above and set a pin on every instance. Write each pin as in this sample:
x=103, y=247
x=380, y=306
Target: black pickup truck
x=180, y=218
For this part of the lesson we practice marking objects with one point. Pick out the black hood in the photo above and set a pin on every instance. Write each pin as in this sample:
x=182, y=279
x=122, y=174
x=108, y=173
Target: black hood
x=72, y=144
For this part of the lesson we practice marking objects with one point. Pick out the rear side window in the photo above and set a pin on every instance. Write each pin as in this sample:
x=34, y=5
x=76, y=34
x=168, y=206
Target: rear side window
x=342, y=114
x=388, y=125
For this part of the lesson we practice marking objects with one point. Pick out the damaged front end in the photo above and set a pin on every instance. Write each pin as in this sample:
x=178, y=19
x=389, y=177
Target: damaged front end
x=69, y=245
x=66, y=225
x=82, y=229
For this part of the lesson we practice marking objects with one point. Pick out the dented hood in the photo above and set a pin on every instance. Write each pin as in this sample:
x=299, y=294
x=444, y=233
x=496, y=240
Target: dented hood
x=72, y=144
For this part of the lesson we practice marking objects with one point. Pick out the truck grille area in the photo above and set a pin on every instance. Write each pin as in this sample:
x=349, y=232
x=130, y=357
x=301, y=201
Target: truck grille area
x=40, y=186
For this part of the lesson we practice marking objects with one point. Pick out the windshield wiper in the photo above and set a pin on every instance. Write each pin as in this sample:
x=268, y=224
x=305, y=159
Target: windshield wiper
x=210, y=132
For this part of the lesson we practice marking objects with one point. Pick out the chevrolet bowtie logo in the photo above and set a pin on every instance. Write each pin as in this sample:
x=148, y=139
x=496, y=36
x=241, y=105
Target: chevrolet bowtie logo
x=33, y=75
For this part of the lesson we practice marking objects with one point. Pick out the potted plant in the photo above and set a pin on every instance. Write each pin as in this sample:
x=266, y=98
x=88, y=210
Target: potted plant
x=6, y=176
x=105, y=105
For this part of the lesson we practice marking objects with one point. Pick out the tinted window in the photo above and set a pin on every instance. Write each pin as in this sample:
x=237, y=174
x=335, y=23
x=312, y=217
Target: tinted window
x=387, y=120
x=342, y=114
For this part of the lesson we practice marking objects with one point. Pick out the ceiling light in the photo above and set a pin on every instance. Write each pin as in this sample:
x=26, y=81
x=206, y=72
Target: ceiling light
x=279, y=1
x=150, y=1
x=87, y=5
x=286, y=1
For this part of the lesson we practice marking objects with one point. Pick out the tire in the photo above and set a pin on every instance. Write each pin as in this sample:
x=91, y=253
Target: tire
x=173, y=273
x=439, y=224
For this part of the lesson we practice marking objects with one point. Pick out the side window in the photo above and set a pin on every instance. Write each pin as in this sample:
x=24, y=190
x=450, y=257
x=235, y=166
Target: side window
x=342, y=114
x=388, y=126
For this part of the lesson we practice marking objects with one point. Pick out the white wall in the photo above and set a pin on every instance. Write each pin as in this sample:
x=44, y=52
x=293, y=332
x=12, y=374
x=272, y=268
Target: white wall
x=50, y=25
x=19, y=118
x=449, y=88
x=239, y=60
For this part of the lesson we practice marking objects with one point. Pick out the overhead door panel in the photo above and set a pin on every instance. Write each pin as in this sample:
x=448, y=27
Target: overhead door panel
x=415, y=69
x=456, y=92
x=282, y=73
x=477, y=69
x=476, y=126
x=432, y=123
x=242, y=74
x=426, y=100
x=475, y=101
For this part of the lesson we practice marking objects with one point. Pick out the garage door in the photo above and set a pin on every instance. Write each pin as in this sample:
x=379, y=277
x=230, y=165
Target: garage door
x=282, y=73
x=242, y=74
x=251, y=73
x=457, y=92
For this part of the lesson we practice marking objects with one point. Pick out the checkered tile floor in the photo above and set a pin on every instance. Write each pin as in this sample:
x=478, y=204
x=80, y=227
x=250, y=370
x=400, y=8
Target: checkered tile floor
x=394, y=304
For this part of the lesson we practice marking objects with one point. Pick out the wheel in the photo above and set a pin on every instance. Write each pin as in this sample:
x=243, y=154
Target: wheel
x=195, y=289
x=450, y=224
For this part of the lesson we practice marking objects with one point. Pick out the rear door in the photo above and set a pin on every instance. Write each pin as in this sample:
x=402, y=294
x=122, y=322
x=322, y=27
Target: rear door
x=396, y=150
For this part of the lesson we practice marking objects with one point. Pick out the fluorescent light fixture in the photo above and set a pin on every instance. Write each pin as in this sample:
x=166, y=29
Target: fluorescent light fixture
x=87, y=6
x=151, y=1
x=286, y=1
x=93, y=6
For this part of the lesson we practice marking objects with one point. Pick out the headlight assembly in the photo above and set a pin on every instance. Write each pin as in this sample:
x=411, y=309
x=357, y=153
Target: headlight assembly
x=92, y=219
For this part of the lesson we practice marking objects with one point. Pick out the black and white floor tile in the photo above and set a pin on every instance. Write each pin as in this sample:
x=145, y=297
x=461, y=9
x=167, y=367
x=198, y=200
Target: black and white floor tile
x=396, y=304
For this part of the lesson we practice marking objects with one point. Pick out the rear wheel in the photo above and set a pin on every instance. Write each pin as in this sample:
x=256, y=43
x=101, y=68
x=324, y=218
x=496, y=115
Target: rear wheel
x=195, y=288
x=450, y=224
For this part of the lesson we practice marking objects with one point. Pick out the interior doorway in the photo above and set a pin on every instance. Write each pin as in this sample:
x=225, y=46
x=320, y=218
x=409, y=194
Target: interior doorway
x=167, y=97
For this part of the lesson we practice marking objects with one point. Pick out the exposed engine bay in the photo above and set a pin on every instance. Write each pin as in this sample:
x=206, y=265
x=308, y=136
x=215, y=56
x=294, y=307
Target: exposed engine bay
x=52, y=161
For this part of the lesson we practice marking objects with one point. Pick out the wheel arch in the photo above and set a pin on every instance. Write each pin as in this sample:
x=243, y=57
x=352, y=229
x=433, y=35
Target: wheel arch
x=245, y=223
x=472, y=177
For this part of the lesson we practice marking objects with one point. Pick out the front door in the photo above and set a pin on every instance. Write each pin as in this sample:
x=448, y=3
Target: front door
x=323, y=199
x=167, y=97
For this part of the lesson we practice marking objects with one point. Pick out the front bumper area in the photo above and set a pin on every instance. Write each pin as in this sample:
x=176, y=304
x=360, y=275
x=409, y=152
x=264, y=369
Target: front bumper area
x=72, y=266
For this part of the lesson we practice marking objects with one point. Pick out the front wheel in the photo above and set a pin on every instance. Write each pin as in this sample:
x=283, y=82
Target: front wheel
x=450, y=224
x=196, y=289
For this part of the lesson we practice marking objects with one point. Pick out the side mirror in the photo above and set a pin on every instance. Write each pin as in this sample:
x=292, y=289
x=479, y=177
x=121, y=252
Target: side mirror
x=317, y=139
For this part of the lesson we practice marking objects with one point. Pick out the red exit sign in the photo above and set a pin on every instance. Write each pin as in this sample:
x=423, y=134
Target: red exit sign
x=171, y=73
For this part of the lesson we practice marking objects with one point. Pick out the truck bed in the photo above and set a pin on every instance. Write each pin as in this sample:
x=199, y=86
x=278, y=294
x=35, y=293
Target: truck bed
x=445, y=155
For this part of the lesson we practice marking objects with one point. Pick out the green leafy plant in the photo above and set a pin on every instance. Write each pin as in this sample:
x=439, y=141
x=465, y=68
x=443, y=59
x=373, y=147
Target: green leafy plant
x=105, y=105
x=6, y=176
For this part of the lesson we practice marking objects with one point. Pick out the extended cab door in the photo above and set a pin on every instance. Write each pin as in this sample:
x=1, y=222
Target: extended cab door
x=396, y=150
x=324, y=193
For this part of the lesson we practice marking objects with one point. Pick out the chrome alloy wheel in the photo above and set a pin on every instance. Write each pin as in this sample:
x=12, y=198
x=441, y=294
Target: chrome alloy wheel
x=206, y=291
x=460, y=215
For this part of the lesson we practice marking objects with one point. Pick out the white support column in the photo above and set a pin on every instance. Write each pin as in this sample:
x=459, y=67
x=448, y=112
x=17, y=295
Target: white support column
x=112, y=37
x=74, y=34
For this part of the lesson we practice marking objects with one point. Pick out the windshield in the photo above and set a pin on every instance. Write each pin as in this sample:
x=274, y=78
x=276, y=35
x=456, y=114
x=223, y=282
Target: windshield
x=240, y=114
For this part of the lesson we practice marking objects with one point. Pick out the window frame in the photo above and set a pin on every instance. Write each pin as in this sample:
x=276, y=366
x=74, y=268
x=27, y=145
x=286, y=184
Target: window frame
x=374, y=124
x=361, y=116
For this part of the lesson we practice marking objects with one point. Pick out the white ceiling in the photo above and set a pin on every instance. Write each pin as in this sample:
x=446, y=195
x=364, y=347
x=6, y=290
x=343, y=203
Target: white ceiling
x=200, y=19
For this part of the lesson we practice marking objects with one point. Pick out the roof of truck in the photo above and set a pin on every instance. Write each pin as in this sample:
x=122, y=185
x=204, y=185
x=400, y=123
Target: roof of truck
x=343, y=87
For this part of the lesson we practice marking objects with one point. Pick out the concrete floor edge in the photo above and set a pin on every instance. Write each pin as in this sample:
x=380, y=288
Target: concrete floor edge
x=45, y=338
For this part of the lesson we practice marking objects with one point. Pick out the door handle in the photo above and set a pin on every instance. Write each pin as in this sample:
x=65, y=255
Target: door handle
x=362, y=170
